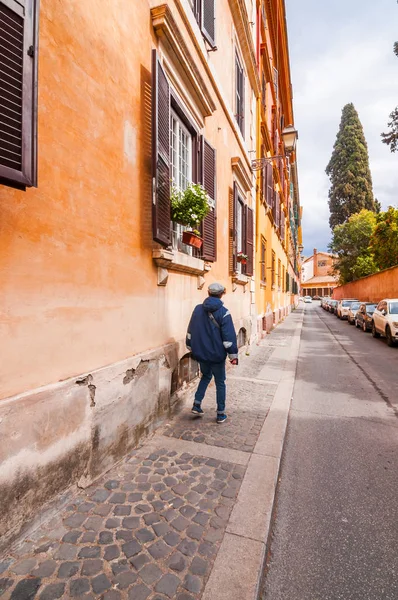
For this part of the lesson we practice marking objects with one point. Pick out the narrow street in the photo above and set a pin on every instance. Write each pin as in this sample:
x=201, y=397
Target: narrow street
x=335, y=532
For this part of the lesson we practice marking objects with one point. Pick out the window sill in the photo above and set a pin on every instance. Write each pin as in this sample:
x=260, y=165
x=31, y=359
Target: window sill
x=240, y=279
x=172, y=260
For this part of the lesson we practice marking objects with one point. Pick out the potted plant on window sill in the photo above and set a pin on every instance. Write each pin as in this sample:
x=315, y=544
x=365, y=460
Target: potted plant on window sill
x=241, y=257
x=189, y=207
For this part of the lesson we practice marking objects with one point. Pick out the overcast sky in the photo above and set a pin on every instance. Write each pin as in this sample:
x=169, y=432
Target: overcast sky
x=341, y=51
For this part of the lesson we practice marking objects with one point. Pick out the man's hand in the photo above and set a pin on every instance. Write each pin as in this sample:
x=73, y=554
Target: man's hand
x=234, y=361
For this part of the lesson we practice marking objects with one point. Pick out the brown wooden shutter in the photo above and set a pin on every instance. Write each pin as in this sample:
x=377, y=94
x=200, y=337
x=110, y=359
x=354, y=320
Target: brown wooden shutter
x=249, y=223
x=233, y=199
x=270, y=185
x=208, y=170
x=208, y=21
x=160, y=154
x=18, y=77
x=282, y=219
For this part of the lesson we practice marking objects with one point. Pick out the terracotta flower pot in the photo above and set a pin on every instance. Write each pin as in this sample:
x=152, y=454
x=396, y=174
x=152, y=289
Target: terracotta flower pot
x=191, y=239
x=242, y=260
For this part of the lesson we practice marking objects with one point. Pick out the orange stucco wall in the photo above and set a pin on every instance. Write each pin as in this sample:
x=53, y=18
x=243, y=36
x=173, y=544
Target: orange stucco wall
x=372, y=288
x=78, y=285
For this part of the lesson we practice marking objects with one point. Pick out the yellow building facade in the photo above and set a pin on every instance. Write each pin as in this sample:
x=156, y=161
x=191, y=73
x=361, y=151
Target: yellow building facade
x=278, y=214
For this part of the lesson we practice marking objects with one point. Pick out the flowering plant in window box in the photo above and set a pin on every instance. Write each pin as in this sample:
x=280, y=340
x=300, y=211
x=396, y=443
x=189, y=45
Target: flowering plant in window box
x=241, y=257
x=189, y=207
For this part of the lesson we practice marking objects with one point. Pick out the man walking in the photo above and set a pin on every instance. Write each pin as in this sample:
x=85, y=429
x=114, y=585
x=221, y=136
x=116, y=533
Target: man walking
x=211, y=337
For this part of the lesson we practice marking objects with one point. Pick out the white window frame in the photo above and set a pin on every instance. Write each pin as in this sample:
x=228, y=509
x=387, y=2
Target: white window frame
x=180, y=180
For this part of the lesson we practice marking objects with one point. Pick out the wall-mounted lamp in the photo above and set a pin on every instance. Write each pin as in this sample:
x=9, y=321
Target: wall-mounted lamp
x=289, y=138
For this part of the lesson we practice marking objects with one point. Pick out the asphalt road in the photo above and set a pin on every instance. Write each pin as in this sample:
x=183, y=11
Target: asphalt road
x=335, y=530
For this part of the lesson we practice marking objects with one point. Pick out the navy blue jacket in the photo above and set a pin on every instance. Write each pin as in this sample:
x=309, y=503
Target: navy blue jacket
x=207, y=342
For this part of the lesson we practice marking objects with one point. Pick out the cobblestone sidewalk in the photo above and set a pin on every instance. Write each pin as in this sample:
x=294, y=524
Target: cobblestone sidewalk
x=152, y=527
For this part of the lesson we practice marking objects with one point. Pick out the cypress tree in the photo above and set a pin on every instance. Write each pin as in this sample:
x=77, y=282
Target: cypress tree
x=348, y=170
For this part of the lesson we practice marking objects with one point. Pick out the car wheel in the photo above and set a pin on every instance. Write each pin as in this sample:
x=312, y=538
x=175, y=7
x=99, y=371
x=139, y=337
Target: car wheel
x=390, y=341
x=364, y=328
x=375, y=333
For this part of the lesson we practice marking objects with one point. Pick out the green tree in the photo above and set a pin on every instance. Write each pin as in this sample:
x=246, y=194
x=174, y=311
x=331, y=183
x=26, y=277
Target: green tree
x=384, y=240
x=348, y=170
x=351, y=246
x=391, y=137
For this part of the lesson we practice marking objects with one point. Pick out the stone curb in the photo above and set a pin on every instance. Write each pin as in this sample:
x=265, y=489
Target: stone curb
x=238, y=569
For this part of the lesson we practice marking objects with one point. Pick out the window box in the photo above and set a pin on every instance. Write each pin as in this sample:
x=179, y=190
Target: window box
x=178, y=261
x=191, y=239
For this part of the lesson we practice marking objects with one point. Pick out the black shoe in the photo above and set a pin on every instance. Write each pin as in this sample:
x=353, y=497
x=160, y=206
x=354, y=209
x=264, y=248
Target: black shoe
x=196, y=410
x=221, y=418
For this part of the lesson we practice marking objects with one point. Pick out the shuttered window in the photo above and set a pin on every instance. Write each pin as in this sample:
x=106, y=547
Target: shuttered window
x=205, y=14
x=263, y=260
x=209, y=248
x=241, y=233
x=160, y=154
x=249, y=222
x=18, y=83
x=268, y=184
x=273, y=269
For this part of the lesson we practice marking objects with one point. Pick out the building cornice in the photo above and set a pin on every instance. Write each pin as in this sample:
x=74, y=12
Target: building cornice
x=242, y=27
x=167, y=29
x=241, y=173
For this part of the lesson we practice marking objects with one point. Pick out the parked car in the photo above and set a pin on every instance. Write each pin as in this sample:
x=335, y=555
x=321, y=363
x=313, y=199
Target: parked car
x=344, y=306
x=385, y=320
x=317, y=298
x=333, y=306
x=325, y=302
x=307, y=299
x=352, y=311
x=364, y=316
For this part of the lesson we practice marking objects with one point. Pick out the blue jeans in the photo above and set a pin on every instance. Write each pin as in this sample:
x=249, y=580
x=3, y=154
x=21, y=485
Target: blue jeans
x=208, y=370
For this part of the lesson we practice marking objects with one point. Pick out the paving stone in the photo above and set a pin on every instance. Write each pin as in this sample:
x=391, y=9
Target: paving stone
x=112, y=595
x=141, y=478
x=218, y=523
x=131, y=522
x=168, y=585
x=181, y=489
x=91, y=567
x=192, y=583
x=188, y=548
x=170, y=481
x=131, y=548
x=5, y=583
x=214, y=535
x=118, y=498
x=85, y=507
x=100, y=495
x=65, y=552
x=187, y=511
x=93, y=523
x=68, y=569
x=161, y=528
x=111, y=552
x=177, y=562
x=26, y=589
x=112, y=484
x=212, y=462
x=144, y=487
x=144, y=535
x=71, y=537
x=151, y=518
x=139, y=592
x=218, y=485
x=90, y=552
x=198, y=566
x=172, y=538
x=112, y=523
x=105, y=537
x=166, y=496
x=223, y=512
x=185, y=596
x=75, y=520
x=180, y=523
x=128, y=487
x=120, y=566
x=45, y=569
x=177, y=502
x=193, y=497
x=169, y=514
x=150, y=573
x=158, y=505
x=207, y=549
x=79, y=586
x=53, y=591
x=102, y=509
x=24, y=566
x=125, y=579
x=88, y=537
x=195, y=531
x=201, y=518
x=159, y=550
x=139, y=561
x=135, y=497
x=158, y=487
x=123, y=534
x=100, y=584
x=142, y=508
x=122, y=511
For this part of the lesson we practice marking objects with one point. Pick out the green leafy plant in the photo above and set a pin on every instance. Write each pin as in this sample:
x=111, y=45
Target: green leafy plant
x=190, y=206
